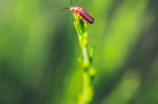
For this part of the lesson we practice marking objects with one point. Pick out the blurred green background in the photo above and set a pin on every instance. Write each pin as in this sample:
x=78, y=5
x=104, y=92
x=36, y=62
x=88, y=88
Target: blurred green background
x=39, y=49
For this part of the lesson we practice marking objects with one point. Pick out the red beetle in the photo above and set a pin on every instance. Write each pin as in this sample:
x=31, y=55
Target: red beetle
x=85, y=15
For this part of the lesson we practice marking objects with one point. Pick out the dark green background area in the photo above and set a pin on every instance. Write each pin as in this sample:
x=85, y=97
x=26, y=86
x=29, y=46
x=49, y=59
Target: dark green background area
x=39, y=49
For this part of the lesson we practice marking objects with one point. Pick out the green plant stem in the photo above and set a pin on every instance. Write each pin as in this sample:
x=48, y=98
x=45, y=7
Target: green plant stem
x=88, y=73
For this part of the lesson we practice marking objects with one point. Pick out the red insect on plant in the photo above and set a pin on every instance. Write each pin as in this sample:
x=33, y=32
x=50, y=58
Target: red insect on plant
x=85, y=15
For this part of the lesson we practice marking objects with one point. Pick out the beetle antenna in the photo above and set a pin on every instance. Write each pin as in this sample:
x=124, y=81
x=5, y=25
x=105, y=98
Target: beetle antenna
x=65, y=8
x=71, y=2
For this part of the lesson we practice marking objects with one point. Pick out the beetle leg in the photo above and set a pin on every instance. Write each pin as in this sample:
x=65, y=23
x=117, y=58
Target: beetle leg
x=74, y=14
x=77, y=16
x=84, y=21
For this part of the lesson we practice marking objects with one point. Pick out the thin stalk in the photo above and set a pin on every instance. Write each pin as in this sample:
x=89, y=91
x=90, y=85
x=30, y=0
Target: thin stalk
x=88, y=72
